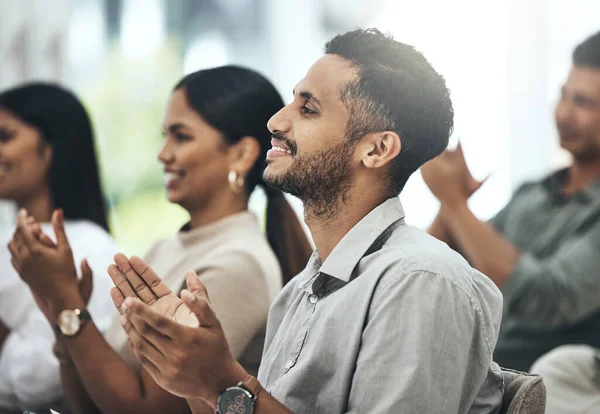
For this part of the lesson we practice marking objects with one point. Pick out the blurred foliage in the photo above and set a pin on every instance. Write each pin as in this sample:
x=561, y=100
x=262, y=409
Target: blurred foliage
x=127, y=102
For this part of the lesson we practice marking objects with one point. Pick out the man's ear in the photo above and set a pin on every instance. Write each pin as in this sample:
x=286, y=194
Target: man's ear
x=377, y=149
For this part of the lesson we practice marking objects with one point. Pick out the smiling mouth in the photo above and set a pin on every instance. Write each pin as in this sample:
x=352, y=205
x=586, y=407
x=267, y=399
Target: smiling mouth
x=282, y=150
x=170, y=177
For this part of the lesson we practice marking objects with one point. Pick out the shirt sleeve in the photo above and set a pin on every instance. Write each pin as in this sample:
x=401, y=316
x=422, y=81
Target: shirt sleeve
x=559, y=290
x=29, y=373
x=238, y=294
x=500, y=219
x=425, y=349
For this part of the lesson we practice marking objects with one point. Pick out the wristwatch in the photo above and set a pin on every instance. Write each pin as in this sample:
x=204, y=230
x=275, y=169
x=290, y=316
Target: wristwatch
x=70, y=321
x=239, y=399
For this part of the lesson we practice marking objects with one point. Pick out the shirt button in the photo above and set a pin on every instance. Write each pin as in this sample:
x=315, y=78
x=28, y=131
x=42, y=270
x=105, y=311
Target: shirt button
x=289, y=363
x=313, y=298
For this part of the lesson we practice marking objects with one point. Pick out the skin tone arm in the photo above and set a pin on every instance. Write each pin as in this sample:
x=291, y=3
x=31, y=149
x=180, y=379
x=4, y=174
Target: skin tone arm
x=187, y=355
x=450, y=181
x=484, y=247
x=440, y=231
x=97, y=368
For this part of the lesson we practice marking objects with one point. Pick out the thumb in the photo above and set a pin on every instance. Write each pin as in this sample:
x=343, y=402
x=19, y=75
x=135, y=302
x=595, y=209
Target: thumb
x=58, y=222
x=195, y=286
x=482, y=182
x=200, y=307
x=475, y=185
x=86, y=283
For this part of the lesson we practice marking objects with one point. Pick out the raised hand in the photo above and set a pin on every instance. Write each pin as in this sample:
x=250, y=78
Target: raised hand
x=134, y=278
x=188, y=361
x=47, y=267
x=449, y=178
x=85, y=286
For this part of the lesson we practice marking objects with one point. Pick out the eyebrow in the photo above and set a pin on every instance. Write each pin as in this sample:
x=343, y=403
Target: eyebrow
x=309, y=96
x=175, y=127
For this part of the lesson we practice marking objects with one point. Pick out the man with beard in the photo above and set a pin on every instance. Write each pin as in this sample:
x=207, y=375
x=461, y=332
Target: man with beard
x=384, y=318
x=543, y=248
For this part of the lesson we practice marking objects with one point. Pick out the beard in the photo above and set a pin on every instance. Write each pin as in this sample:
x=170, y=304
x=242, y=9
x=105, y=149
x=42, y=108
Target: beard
x=322, y=181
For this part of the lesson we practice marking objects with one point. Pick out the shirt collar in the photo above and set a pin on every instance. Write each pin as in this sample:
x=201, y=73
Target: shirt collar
x=555, y=182
x=347, y=253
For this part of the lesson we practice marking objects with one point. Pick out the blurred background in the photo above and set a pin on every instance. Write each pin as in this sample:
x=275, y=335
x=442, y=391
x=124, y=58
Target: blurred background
x=504, y=62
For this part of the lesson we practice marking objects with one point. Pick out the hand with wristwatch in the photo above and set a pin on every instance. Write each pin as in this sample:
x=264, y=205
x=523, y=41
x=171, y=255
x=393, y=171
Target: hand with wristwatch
x=38, y=260
x=49, y=270
x=186, y=346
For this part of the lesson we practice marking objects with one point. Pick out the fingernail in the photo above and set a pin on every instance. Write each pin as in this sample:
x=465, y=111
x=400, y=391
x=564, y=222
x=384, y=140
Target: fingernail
x=123, y=320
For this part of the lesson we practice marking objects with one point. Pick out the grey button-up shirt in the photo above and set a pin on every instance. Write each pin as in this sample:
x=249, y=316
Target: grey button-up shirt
x=552, y=296
x=394, y=321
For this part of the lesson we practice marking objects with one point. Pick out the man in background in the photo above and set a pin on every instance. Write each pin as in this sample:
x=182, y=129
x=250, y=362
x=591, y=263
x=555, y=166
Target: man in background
x=543, y=248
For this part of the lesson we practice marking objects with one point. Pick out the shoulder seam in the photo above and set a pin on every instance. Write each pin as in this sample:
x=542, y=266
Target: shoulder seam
x=473, y=303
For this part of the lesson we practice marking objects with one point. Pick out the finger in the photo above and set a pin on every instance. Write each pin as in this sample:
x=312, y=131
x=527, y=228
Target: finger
x=38, y=233
x=139, y=341
x=459, y=148
x=15, y=264
x=18, y=243
x=142, y=317
x=35, y=227
x=152, y=280
x=14, y=251
x=486, y=178
x=46, y=240
x=195, y=285
x=117, y=298
x=23, y=231
x=138, y=285
x=149, y=366
x=86, y=283
x=201, y=308
x=120, y=281
x=482, y=182
x=58, y=222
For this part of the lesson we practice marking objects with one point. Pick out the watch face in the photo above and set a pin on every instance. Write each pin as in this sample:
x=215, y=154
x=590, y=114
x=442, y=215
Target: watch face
x=68, y=322
x=235, y=400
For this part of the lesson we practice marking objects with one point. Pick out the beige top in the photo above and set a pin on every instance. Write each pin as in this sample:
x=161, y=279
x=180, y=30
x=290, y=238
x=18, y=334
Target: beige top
x=234, y=260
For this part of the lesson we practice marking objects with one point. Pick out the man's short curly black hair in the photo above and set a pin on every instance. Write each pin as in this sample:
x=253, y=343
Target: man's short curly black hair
x=397, y=90
x=587, y=53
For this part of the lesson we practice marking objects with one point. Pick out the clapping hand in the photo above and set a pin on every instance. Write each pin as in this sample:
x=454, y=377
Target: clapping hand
x=179, y=341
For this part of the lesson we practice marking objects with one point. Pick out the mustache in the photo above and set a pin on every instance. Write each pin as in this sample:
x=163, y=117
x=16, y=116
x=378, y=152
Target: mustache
x=288, y=142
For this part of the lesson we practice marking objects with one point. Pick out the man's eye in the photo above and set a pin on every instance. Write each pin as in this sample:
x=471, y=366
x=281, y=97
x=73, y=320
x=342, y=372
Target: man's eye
x=306, y=111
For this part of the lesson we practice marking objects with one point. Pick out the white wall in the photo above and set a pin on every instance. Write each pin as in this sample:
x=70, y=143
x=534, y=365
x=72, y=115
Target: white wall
x=504, y=62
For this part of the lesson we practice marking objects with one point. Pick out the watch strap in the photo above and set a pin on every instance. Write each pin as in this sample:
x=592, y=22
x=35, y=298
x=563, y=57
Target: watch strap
x=252, y=385
x=84, y=315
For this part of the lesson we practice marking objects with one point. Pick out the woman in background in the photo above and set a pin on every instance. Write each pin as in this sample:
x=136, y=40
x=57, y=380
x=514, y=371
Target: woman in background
x=47, y=161
x=214, y=152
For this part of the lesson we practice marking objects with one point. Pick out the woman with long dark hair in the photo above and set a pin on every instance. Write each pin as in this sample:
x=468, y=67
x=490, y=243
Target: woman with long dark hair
x=47, y=162
x=213, y=155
